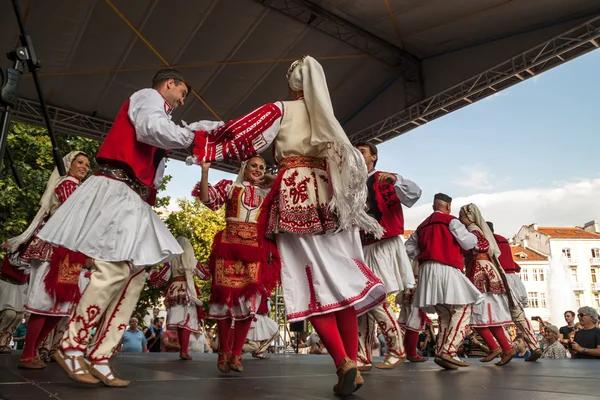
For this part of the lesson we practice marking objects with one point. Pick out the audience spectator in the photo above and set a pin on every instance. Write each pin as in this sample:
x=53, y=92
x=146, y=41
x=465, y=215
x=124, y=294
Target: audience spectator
x=154, y=336
x=586, y=343
x=170, y=341
x=553, y=348
x=564, y=331
x=133, y=340
x=521, y=347
x=381, y=340
x=474, y=346
x=427, y=343
x=198, y=343
x=19, y=334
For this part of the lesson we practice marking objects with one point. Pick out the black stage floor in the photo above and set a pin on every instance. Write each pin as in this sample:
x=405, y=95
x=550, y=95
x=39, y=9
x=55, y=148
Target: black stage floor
x=164, y=376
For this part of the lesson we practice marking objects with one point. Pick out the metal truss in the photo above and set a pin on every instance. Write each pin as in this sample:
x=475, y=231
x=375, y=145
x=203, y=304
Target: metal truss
x=316, y=17
x=281, y=319
x=556, y=51
x=70, y=122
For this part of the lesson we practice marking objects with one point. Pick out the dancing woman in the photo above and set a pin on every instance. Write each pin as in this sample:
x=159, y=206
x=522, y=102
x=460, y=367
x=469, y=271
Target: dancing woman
x=483, y=269
x=54, y=278
x=244, y=265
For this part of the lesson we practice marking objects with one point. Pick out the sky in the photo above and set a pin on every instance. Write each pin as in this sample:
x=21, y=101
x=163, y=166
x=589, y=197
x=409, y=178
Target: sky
x=528, y=154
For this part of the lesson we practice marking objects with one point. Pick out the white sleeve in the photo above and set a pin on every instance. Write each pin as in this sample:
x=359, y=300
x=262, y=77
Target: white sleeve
x=407, y=191
x=412, y=246
x=160, y=173
x=465, y=239
x=153, y=126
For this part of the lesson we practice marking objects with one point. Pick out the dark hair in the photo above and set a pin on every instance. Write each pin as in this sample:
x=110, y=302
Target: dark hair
x=156, y=320
x=169, y=73
x=372, y=149
x=490, y=225
x=570, y=312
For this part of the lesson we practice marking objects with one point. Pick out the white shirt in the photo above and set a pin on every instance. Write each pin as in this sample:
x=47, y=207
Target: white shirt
x=407, y=191
x=465, y=239
x=198, y=345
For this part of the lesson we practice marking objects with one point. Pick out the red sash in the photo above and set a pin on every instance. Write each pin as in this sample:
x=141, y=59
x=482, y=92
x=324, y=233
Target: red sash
x=62, y=280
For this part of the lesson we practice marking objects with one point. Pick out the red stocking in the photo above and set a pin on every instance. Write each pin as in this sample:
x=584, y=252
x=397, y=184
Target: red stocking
x=184, y=339
x=326, y=327
x=224, y=326
x=488, y=338
x=347, y=323
x=500, y=335
x=35, y=324
x=411, y=339
x=241, y=329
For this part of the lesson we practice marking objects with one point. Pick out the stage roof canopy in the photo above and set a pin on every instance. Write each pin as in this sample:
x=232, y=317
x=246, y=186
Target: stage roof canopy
x=391, y=65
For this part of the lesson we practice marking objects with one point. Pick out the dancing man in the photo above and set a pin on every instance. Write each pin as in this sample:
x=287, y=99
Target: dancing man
x=13, y=290
x=244, y=264
x=386, y=257
x=490, y=315
x=316, y=207
x=110, y=220
x=262, y=332
x=519, y=295
x=184, y=308
x=438, y=244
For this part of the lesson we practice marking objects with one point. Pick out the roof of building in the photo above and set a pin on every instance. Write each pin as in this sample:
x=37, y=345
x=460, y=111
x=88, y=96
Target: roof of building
x=521, y=254
x=567, y=233
x=407, y=233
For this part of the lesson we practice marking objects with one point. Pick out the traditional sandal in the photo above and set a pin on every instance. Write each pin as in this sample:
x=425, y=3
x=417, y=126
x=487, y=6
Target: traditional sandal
x=388, y=364
x=31, y=363
x=109, y=379
x=491, y=355
x=417, y=358
x=185, y=356
x=235, y=364
x=260, y=356
x=79, y=374
x=223, y=362
x=506, y=357
x=346, y=378
x=534, y=355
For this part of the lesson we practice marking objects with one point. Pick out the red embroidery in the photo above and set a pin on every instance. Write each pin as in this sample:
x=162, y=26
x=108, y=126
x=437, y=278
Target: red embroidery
x=313, y=305
x=65, y=189
x=88, y=322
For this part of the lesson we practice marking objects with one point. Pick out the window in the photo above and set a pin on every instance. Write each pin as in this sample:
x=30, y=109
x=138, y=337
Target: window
x=538, y=274
x=578, y=300
x=566, y=252
x=542, y=300
x=596, y=300
x=574, y=274
x=524, y=275
x=596, y=253
x=532, y=297
x=594, y=272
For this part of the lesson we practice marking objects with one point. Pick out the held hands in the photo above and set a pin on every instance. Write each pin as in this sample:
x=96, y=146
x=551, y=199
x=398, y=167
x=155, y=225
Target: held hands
x=267, y=181
x=205, y=166
x=386, y=177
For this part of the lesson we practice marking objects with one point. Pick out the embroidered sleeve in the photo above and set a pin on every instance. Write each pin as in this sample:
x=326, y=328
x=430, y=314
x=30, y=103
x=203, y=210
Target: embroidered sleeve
x=239, y=139
x=217, y=194
x=202, y=271
x=161, y=277
x=65, y=189
x=482, y=245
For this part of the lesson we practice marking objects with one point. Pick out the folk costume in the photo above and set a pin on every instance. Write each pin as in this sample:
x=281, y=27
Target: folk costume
x=443, y=288
x=482, y=268
x=519, y=296
x=111, y=221
x=184, y=308
x=262, y=333
x=54, y=271
x=244, y=264
x=388, y=259
x=315, y=209
x=13, y=290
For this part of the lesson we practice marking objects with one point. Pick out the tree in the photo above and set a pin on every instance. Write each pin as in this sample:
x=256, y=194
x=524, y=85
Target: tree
x=199, y=224
x=32, y=151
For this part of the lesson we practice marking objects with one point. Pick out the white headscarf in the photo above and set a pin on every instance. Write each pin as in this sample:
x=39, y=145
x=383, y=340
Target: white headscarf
x=472, y=212
x=187, y=261
x=347, y=167
x=45, y=204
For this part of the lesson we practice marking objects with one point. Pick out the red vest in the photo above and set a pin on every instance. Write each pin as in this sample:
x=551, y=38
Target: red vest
x=436, y=243
x=506, y=259
x=263, y=308
x=384, y=205
x=121, y=149
x=10, y=271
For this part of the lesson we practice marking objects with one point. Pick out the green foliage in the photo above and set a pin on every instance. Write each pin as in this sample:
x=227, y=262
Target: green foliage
x=199, y=224
x=31, y=150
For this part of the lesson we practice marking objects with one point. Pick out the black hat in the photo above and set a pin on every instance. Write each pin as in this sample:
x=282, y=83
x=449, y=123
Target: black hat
x=169, y=73
x=443, y=197
x=490, y=225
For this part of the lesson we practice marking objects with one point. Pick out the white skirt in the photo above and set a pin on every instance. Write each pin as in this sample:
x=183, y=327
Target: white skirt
x=106, y=220
x=246, y=309
x=388, y=259
x=263, y=328
x=411, y=318
x=183, y=316
x=517, y=289
x=442, y=284
x=326, y=273
x=492, y=311
x=12, y=297
x=38, y=300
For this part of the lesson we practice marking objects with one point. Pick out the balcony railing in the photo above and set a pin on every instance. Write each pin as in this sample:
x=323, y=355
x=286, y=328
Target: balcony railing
x=571, y=260
x=577, y=286
x=596, y=286
x=595, y=261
